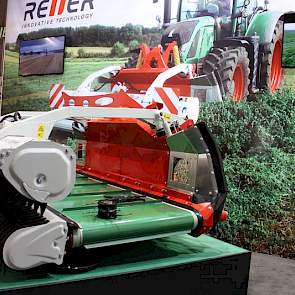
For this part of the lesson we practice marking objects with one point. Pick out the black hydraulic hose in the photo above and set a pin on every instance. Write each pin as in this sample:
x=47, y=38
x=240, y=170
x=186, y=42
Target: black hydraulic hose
x=14, y=118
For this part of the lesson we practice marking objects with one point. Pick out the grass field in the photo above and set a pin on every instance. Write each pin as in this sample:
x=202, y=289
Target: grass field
x=33, y=92
x=289, y=81
x=289, y=49
x=102, y=50
x=257, y=140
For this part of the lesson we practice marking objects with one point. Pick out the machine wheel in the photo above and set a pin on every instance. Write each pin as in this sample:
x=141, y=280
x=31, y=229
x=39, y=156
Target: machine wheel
x=233, y=67
x=271, y=64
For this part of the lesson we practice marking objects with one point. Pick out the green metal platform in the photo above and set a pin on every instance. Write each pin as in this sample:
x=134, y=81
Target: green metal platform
x=133, y=258
x=136, y=221
x=178, y=264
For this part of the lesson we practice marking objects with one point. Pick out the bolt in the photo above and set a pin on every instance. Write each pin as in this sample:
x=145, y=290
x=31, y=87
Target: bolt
x=2, y=155
x=41, y=179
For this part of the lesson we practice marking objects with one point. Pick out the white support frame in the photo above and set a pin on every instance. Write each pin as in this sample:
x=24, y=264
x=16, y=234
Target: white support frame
x=30, y=126
x=187, y=69
x=85, y=87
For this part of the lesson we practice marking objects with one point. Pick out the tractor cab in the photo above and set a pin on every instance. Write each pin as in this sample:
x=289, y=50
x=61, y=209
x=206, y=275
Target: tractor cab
x=217, y=8
x=189, y=9
x=201, y=22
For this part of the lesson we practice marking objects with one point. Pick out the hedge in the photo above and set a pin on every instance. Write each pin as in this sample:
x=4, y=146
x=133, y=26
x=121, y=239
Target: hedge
x=257, y=140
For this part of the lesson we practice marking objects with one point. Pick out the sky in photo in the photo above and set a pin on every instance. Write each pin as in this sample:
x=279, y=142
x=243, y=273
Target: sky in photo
x=114, y=13
x=120, y=12
x=45, y=44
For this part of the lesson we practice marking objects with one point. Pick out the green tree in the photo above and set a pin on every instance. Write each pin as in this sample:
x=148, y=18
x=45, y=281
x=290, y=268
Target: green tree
x=81, y=53
x=68, y=54
x=118, y=50
x=134, y=44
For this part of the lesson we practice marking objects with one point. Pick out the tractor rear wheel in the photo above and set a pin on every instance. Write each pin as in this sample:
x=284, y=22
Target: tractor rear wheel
x=271, y=64
x=232, y=65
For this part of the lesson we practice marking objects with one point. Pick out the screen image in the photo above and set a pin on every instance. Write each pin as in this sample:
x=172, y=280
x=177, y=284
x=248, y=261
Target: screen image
x=42, y=56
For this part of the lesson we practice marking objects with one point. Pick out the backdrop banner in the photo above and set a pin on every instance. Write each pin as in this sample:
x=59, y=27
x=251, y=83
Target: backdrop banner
x=98, y=34
x=33, y=15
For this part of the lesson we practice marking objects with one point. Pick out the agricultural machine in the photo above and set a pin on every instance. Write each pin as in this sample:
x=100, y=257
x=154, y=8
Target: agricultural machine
x=136, y=171
x=142, y=166
x=217, y=49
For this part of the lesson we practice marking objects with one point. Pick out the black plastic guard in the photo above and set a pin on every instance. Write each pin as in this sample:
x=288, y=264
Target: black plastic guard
x=217, y=161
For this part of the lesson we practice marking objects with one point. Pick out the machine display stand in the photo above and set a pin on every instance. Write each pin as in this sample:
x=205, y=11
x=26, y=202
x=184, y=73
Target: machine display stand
x=176, y=265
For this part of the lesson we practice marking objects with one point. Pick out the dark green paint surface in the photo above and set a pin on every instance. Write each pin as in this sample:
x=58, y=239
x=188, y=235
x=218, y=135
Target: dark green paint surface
x=151, y=216
x=131, y=258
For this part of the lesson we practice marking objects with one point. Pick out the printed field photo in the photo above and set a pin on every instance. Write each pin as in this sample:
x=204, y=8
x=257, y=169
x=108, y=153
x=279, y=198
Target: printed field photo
x=289, y=49
x=87, y=51
x=33, y=92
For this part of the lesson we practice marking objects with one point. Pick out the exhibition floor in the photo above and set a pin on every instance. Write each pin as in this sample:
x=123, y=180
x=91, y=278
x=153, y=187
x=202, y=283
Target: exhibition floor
x=271, y=275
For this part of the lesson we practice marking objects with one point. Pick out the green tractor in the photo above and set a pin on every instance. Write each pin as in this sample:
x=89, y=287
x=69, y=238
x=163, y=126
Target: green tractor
x=236, y=44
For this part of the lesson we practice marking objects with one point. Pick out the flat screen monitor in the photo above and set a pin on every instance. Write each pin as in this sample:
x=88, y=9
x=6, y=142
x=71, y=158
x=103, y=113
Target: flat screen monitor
x=42, y=56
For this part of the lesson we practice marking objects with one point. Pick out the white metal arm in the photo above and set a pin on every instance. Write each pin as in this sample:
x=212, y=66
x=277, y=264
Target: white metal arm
x=39, y=126
x=86, y=85
x=187, y=69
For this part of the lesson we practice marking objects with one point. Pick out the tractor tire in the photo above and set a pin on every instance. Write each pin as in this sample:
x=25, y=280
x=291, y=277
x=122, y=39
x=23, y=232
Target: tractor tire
x=232, y=65
x=271, y=73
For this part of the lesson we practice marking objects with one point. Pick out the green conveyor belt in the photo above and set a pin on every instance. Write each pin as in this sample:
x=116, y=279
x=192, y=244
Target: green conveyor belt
x=138, y=220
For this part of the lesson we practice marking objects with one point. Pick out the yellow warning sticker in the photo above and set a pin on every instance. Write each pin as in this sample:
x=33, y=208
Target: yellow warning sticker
x=41, y=131
x=167, y=116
